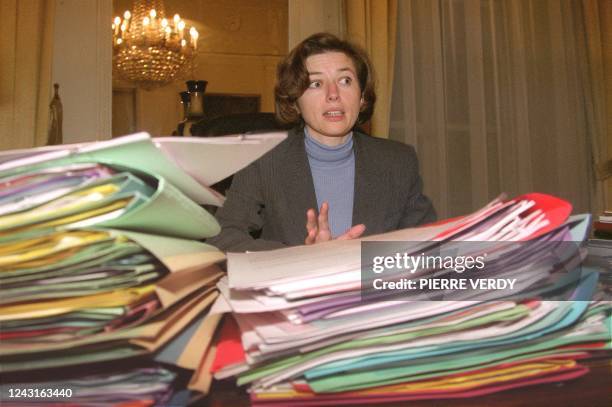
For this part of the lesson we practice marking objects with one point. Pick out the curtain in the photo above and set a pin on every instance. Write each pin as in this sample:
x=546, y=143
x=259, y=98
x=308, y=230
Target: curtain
x=372, y=25
x=25, y=72
x=597, y=21
x=491, y=95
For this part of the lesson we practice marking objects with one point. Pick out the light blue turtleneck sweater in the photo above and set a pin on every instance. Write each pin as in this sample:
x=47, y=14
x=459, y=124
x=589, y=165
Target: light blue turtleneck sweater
x=333, y=173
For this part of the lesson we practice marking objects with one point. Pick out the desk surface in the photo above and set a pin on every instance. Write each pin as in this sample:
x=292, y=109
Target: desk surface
x=592, y=390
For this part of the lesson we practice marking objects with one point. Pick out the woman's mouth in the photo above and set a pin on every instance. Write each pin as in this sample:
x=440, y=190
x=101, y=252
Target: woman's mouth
x=334, y=114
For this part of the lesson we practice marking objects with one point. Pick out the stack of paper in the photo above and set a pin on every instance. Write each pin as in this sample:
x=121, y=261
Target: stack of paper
x=145, y=386
x=99, y=262
x=311, y=331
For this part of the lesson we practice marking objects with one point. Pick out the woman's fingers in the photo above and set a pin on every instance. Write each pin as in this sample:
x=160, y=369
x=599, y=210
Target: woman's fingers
x=353, y=233
x=324, y=233
x=311, y=220
x=311, y=237
x=323, y=216
x=317, y=227
x=311, y=227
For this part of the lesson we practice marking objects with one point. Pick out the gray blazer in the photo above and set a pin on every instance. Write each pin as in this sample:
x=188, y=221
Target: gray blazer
x=272, y=194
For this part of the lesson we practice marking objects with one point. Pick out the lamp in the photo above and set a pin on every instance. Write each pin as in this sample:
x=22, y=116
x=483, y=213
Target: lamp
x=149, y=49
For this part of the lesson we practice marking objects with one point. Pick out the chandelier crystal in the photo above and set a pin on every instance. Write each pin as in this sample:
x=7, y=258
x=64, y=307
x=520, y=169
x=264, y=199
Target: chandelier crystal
x=150, y=49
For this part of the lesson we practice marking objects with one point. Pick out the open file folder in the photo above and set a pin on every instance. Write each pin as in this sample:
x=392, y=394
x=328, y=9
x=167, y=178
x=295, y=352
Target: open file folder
x=307, y=337
x=107, y=289
x=180, y=163
x=120, y=197
x=98, y=260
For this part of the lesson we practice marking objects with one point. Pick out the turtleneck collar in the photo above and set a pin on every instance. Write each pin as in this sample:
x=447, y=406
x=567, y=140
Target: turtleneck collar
x=321, y=154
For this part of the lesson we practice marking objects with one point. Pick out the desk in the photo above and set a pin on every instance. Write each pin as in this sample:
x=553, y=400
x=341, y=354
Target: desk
x=591, y=390
x=602, y=230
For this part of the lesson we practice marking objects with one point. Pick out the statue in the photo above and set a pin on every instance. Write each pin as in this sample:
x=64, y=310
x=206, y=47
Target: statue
x=55, y=119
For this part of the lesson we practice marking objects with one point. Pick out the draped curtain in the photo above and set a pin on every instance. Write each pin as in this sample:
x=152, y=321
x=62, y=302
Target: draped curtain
x=372, y=25
x=25, y=71
x=494, y=96
x=597, y=73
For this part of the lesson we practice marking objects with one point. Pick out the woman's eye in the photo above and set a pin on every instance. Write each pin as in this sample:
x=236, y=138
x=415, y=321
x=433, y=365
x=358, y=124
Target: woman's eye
x=314, y=84
x=346, y=81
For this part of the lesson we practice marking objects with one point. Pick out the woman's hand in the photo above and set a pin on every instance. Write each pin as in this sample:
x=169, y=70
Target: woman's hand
x=317, y=228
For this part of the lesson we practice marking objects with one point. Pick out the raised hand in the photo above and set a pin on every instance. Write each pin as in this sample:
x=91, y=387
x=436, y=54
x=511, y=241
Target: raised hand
x=317, y=227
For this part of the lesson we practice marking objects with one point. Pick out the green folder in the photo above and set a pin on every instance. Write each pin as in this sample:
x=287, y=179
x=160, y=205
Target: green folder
x=477, y=359
x=161, y=209
x=504, y=315
x=82, y=284
x=137, y=152
x=168, y=212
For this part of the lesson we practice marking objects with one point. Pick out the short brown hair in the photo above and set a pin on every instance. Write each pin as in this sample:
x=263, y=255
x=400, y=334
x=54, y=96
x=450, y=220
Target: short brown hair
x=292, y=77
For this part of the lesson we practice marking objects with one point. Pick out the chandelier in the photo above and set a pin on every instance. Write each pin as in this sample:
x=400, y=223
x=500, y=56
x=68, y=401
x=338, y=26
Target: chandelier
x=150, y=49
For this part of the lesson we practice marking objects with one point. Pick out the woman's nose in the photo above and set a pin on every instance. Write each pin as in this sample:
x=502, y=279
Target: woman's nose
x=332, y=92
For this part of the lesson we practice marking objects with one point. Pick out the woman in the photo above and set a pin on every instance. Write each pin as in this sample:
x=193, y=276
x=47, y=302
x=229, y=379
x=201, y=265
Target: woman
x=360, y=184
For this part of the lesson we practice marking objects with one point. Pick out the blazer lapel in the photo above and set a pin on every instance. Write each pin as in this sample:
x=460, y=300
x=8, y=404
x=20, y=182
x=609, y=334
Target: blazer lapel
x=368, y=191
x=297, y=182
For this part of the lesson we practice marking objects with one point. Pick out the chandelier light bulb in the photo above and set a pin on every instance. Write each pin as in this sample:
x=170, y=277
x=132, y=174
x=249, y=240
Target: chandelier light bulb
x=164, y=23
x=117, y=21
x=153, y=13
x=181, y=28
x=146, y=21
x=194, y=37
x=127, y=15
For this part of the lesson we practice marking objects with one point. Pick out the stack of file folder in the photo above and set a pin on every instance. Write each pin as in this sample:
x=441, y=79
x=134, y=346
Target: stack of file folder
x=103, y=282
x=308, y=330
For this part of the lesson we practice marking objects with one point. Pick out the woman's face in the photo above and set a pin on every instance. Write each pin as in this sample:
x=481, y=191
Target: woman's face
x=331, y=103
